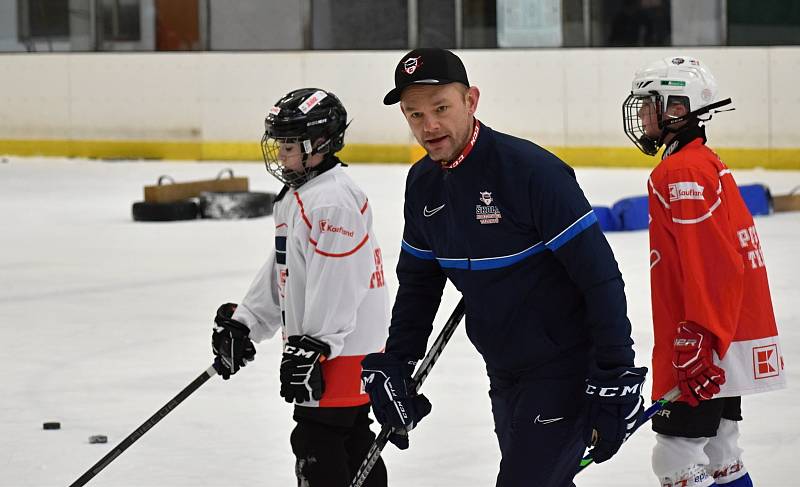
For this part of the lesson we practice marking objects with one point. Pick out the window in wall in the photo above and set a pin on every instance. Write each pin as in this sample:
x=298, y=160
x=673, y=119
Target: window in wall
x=436, y=24
x=42, y=19
x=529, y=23
x=759, y=23
x=177, y=25
x=359, y=24
x=121, y=20
x=575, y=28
x=623, y=23
x=479, y=24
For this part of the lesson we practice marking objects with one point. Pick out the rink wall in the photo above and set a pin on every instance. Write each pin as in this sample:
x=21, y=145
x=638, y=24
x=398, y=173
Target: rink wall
x=211, y=105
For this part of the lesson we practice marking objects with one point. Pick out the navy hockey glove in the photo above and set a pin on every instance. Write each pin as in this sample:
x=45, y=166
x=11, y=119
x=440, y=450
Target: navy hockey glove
x=387, y=380
x=230, y=342
x=301, y=374
x=616, y=409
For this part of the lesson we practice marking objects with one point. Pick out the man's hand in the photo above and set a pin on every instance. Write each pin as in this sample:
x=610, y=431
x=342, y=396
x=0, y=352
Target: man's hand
x=301, y=374
x=616, y=408
x=230, y=342
x=698, y=378
x=395, y=403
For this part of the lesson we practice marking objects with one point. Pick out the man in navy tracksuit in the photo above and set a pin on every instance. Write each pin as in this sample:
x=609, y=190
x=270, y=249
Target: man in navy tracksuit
x=507, y=223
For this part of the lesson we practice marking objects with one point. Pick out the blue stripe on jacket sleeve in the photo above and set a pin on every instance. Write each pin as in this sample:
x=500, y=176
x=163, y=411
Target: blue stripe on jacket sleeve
x=454, y=263
x=505, y=261
x=571, y=231
x=419, y=253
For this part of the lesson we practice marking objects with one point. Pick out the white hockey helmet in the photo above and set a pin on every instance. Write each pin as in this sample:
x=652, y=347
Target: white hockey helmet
x=659, y=85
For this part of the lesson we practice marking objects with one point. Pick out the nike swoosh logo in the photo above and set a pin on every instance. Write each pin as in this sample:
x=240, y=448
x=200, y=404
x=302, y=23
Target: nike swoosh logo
x=546, y=421
x=429, y=213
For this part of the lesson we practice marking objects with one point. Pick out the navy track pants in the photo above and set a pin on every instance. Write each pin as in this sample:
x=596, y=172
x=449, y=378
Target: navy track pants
x=539, y=424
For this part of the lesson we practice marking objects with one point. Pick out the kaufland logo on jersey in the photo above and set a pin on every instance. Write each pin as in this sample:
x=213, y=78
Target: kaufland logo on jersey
x=686, y=190
x=324, y=226
x=766, y=361
x=411, y=64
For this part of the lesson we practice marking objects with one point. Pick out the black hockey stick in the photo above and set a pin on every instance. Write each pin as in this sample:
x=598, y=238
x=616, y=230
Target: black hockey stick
x=144, y=428
x=657, y=406
x=422, y=372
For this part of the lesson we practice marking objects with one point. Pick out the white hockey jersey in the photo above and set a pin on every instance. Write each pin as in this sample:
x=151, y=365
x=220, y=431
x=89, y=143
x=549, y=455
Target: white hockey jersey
x=324, y=279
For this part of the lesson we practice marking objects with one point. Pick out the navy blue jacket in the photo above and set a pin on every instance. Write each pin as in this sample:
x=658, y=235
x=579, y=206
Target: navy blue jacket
x=512, y=230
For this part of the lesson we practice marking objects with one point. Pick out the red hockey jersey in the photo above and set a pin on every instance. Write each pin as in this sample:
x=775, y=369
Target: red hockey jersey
x=706, y=266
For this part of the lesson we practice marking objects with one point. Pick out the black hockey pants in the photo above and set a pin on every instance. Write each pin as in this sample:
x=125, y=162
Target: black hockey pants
x=330, y=444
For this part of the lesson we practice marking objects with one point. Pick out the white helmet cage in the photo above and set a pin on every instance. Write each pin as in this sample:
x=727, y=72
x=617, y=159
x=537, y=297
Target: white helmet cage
x=661, y=84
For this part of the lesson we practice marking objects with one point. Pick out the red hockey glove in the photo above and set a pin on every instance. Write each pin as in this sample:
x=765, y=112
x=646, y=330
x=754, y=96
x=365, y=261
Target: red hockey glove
x=698, y=378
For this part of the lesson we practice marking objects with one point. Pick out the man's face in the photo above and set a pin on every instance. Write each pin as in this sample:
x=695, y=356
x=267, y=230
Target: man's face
x=440, y=116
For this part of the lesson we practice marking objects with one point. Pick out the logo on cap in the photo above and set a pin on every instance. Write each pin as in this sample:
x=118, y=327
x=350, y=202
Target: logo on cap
x=411, y=64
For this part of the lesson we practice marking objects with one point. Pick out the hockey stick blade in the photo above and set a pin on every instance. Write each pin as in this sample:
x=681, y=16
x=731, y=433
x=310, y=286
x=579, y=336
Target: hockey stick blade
x=657, y=406
x=419, y=377
x=144, y=427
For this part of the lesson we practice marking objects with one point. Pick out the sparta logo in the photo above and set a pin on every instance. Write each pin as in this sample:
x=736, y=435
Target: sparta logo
x=411, y=64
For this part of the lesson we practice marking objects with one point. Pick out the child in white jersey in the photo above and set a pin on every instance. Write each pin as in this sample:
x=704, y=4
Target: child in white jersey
x=323, y=287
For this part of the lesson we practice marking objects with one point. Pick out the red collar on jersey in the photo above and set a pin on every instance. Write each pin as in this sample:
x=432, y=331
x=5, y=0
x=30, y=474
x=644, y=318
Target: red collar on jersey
x=464, y=153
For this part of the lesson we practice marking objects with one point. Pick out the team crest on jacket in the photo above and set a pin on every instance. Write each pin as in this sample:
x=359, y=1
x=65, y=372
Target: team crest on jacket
x=487, y=213
x=411, y=64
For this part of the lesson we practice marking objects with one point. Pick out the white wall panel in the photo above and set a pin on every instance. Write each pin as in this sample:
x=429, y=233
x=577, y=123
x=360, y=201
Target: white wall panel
x=743, y=76
x=784, y=97
x=522, y=92
x=239, y=88
x=34, y=96
x=555, y=97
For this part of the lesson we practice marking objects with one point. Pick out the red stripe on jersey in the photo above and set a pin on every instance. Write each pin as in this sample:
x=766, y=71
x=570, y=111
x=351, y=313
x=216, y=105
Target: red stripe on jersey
x=302, y=210
x=343, y=254
x=342, y=377
x=281, y=225
x=364, y=208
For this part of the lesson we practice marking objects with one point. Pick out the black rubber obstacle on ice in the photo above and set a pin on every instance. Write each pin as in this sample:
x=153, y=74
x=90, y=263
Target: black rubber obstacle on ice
x=235, y=205
x=165, y=212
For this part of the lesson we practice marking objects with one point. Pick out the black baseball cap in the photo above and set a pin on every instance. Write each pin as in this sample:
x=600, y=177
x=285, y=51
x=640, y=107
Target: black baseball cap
x=426, y=66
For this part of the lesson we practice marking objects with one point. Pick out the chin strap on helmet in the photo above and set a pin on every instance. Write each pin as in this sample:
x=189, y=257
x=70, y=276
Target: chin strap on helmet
x=710, y=109
x=669, y=126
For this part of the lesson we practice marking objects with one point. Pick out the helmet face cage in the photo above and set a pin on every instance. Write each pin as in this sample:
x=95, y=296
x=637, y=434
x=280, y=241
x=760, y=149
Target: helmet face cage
x=270, y=149
x=318, y=129
x=635, y=109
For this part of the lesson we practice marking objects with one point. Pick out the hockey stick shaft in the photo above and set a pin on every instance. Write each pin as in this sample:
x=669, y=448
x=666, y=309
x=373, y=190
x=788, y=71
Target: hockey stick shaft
x=657, y=406
x=419, y=377
x=144, y=427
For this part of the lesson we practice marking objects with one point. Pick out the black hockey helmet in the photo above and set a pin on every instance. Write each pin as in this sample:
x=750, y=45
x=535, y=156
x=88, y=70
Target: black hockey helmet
x=312, y=118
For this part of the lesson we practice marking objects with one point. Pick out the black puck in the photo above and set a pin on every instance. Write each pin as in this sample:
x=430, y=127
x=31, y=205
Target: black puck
x=52, y=425
x=98, y=439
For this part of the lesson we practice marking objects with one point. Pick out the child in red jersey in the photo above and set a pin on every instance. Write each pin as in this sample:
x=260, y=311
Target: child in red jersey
x=715, y=332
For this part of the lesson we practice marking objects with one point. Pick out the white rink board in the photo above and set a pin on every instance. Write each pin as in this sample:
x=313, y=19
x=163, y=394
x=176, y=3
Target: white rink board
x=558, y=97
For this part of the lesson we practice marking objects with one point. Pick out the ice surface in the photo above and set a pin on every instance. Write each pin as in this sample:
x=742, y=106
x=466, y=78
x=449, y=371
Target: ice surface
x=105, y=319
